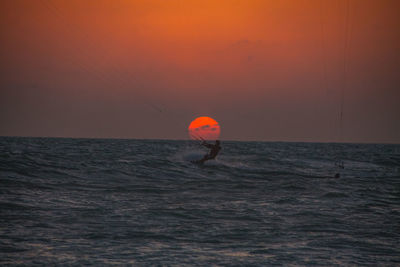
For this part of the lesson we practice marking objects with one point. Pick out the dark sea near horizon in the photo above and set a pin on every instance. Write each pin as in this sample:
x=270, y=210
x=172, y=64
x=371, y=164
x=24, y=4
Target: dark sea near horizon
x=143, y=203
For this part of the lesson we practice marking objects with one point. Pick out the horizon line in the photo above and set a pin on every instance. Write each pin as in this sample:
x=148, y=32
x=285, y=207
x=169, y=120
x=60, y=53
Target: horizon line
x=222, y=140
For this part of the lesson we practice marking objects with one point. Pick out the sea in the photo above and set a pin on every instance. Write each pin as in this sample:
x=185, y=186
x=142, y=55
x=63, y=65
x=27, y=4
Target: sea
x=102, y=202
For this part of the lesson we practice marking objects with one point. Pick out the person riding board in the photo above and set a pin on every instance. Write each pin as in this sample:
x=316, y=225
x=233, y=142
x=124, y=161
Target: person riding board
x=214, y=150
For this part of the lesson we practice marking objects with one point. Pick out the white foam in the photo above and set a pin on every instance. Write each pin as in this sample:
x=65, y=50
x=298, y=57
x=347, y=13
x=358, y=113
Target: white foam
x=193, y=155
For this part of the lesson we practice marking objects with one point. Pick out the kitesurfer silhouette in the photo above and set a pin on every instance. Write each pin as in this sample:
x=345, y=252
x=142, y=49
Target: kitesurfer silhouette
x=214, y=150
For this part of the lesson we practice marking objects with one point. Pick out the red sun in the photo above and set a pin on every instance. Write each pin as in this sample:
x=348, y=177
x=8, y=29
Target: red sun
x=204, y=128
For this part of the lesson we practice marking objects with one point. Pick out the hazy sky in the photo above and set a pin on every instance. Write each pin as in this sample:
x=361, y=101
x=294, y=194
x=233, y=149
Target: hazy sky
x=265, y=70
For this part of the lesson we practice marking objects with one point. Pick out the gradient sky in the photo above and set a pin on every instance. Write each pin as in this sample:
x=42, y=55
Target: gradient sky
x=265, y=70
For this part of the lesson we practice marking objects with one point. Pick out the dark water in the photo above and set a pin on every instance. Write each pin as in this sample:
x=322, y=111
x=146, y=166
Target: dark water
x=103, y=202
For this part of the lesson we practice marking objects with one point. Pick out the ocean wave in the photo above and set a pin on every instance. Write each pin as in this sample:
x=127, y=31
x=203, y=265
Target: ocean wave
x=94, y=201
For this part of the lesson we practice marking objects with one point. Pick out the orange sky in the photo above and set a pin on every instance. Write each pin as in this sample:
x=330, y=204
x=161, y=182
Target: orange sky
x=265, y=70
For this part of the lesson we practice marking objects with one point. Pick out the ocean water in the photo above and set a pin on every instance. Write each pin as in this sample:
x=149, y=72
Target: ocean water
x=142, y=203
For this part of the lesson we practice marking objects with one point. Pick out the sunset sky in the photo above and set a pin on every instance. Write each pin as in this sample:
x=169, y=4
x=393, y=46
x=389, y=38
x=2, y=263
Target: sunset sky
x=269, y=70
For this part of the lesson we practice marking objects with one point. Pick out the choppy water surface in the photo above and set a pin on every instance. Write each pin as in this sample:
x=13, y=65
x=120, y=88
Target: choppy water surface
x=100, y=202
